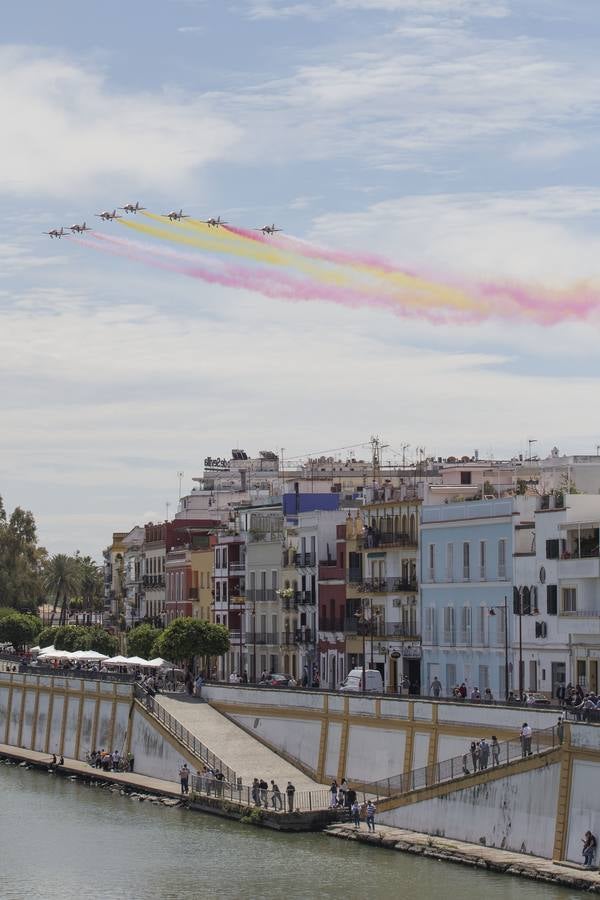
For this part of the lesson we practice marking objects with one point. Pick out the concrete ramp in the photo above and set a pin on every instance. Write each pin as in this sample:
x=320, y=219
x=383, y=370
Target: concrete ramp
x=240, y=751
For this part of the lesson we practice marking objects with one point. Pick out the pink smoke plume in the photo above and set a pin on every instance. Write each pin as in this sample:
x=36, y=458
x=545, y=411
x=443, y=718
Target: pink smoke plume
x=271, y=284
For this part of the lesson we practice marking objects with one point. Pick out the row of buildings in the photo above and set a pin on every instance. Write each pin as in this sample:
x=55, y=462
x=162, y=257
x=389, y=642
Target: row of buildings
x=459, y=569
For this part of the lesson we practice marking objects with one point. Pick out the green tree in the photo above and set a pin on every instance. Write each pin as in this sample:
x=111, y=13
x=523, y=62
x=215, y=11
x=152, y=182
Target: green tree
x=46, y=636
x=91, y=586
x=62, y=580
x=71, y=637
x=186, y=638
x=141, y=640
x=101, y=641
x=19, y=629
x=20, y=560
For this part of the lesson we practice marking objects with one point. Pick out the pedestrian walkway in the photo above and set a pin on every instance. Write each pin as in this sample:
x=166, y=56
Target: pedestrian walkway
x=506, y=861
x=239, y=750
x=77, y=767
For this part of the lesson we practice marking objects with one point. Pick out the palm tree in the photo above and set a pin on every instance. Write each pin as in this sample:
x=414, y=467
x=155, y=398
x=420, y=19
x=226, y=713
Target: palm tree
x=62, y=579
x=91, y=586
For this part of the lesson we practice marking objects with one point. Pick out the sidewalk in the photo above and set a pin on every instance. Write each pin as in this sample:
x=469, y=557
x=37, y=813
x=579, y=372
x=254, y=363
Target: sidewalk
x=565, y=873
x=76, y=767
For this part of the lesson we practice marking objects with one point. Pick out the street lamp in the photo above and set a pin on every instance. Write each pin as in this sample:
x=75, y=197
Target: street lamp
x=492, y=612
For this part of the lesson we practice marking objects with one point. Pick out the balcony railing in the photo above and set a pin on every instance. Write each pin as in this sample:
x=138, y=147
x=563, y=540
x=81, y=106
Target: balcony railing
x=305, y=559
x=375, y=539
x=237, y=568
x=387, y=585
x=262, y=637
x=298, y=636
x=381, y=628
x=261, y=595
x=581, y=613
x=154, y=581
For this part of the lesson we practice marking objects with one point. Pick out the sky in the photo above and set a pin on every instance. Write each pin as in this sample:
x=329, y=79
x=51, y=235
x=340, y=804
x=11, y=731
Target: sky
x=459, y=136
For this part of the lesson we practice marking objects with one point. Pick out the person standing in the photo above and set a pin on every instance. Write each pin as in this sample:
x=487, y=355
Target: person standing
x=371, y=816
x=264, y=791
x=589, y=849
x=484, y=753
x=290, y=791
x=333, y=793
x=474, y=750
x=184, y=778
x=525, y=740
x=436, y=687
x=276, y=796
x=560, y=729
x=355, y=813
x=495, y=747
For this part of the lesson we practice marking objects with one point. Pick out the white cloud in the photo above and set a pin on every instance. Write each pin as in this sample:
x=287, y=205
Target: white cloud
x=191, y=29
x=63, y=129
x=546, y=149
x=283, y=9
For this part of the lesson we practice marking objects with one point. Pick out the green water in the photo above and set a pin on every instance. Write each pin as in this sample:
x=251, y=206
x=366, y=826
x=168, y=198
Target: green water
x=61, y=839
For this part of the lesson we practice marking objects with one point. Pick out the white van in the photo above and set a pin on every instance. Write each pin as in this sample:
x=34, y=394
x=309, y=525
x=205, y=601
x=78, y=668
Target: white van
x=354, y=681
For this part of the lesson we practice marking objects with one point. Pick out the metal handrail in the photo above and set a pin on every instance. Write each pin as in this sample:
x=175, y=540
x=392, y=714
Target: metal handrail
x=189, y=740
x=459, y=766
x=262, y=799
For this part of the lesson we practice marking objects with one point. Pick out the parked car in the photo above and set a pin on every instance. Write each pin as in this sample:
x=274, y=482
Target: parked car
x=278, y=681
x=354, y=681
x=535, y=699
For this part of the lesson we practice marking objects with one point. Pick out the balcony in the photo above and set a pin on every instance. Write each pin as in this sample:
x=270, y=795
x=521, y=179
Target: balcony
x=154, y=581
x=372, y=540
x=304, y=559
x=581, y=567
x=334, y=625
x=387, y=585
x=379, y=628
x=261, y=595
x=261, y=638
x=237, y=568
x=298, y=636
x=581, y=613
x=330, y=571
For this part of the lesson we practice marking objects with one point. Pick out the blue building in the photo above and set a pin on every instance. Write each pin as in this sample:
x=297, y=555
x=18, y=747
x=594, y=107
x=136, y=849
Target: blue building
x=466, y=577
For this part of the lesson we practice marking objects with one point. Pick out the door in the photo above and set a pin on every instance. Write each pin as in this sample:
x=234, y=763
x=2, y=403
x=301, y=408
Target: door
x=533, y=681
x=594, y=675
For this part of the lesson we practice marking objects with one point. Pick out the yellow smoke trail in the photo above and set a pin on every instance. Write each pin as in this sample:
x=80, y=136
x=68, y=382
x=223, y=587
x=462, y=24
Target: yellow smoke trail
x=410, y=290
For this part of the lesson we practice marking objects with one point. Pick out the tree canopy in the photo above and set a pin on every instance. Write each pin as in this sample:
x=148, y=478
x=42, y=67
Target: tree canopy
x=141, y=640
x=82, y=637
x=21, y=560
x=19, y=629
x=186, y=638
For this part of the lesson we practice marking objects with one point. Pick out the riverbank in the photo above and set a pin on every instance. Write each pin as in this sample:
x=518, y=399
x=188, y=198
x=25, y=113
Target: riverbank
x=474, y=855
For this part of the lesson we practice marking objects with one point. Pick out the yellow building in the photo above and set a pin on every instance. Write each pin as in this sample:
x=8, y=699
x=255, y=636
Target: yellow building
x=202, y=574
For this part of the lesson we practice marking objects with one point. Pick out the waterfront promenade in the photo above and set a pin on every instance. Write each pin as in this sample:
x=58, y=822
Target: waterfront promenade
x=506, y=861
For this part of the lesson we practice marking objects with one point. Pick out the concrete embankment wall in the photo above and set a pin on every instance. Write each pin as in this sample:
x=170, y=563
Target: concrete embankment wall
x=72, y=716
x=366, y=738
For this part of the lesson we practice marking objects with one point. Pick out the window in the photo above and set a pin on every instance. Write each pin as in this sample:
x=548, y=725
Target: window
x=449, y=624
x=466, y=561
x=432, y=562
x=225, y=592
x=218, y=591
x=449, y=562
x=551, y=599
x=500, y=627
x=274, y=579
x=466, y=625
x=217, y=559
x=552, y=549
x=569, y=599
x=502, y=559
x=313, y=550
x=482, y=560
x=484, y=678
x=525, y=601
x=430, y=635
x=465, y=477
x=450, y=677
x=482, y=615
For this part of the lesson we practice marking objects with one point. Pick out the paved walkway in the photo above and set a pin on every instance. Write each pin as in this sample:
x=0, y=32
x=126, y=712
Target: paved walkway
x=240, y=751
x=76, y=767
x=525, y=865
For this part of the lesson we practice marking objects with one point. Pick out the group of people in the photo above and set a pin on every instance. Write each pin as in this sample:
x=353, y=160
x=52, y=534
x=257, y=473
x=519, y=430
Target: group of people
x=111, y=761
x=461, y=692
x=584, y=705
x=343, y=796
x=481, y=753
x=261, y=794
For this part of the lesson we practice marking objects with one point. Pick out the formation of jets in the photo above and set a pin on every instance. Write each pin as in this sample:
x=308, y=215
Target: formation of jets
x=174, y=216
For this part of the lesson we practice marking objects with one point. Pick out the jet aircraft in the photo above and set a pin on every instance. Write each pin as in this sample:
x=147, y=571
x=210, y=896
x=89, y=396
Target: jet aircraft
x=132, y=207
x=56, y=232
x=214, y=223
x=109, y=216
x=175, y=216
x=268, y=229
x=79, y=229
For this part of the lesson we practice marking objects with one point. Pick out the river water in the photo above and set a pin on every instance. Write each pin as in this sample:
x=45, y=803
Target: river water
x=62, y=839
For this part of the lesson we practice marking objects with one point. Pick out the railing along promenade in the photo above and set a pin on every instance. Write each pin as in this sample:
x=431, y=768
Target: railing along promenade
x=278, y=801
x=58, y=672
x=466, y=764
x=185, y=737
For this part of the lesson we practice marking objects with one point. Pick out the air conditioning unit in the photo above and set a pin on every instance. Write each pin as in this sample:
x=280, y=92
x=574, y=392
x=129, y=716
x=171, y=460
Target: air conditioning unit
x=397, y=601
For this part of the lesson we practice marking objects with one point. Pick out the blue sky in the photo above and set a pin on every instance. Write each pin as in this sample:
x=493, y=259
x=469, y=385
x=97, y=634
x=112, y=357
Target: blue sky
x=460, y=135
